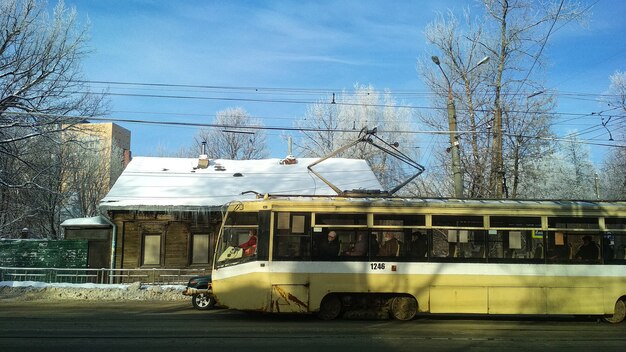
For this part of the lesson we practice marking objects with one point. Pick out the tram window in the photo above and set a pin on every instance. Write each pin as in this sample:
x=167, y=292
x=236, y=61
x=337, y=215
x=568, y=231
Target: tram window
x=614, y=248
x=326, y=245
x=515, y=221
x=440, y=247
x=467, y=243
x=458, y=244
x=572, y=223
x=347, y=239
x=615, y=223
x=340, y=219
x=585, y=248
x=515, y=245
x=418, y=247
x=620, y=247
x=292, y=236
x=345, y=244
x=399, y=220
x=242, y=218
x=294, y=223
x=356, y=244
x=460, y=221
x=291, y=248
x=559, y=249
x=388, y=244
x=477, y=244
x=236, y=245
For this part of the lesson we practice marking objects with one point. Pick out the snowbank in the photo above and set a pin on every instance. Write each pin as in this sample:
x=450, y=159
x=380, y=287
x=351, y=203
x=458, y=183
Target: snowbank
x=32, y=290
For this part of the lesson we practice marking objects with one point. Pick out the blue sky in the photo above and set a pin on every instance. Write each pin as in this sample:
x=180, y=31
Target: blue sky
x=326, y=45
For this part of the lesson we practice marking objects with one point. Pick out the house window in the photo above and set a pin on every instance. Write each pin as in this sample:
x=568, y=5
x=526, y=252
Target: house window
x=200, y=249
x=151, y=249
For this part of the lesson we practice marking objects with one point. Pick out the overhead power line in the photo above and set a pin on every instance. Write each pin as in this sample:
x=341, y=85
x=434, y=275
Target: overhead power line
x=299, y=129
x=310, y=102
x=321, y=91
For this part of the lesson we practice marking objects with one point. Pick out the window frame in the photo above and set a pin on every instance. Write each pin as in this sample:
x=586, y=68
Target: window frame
x=192, y=247
x=151, y=229
x=144, y=242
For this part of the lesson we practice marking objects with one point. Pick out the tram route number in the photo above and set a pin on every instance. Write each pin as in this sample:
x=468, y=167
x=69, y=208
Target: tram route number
x=377, y=266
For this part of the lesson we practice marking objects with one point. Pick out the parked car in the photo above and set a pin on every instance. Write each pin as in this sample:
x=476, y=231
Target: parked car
x=199, y=288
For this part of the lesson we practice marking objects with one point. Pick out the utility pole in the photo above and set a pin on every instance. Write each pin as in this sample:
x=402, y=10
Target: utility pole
x=497, y=164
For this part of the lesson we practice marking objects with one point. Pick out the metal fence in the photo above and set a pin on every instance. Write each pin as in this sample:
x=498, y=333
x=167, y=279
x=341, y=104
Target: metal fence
x=101, y=276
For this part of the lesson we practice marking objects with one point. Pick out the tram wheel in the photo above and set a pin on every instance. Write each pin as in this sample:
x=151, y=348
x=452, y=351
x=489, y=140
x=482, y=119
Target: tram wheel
x=330, y=308
x=403, y=308
x=619, y=313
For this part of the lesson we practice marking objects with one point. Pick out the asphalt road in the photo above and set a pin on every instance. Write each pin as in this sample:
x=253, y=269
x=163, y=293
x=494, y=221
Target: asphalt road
x=176, y=326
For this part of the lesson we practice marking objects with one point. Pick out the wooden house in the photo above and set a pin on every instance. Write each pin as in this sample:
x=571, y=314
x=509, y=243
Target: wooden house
x=166, y=212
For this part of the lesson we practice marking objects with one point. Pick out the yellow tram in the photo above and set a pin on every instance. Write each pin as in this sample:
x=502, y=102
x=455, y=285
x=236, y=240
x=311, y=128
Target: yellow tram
x=403, y=256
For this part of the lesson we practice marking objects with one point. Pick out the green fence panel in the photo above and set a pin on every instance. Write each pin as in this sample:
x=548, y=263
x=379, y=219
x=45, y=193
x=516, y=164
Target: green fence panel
x=43, y=253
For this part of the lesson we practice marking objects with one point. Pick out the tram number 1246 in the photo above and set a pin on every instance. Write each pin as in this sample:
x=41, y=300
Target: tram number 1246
x=377, y=266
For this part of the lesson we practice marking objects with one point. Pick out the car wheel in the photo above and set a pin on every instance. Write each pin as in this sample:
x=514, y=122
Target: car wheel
x=202, y=301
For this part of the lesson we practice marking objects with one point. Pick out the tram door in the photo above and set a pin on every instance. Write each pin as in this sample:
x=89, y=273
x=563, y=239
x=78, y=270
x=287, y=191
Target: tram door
x=291, y=249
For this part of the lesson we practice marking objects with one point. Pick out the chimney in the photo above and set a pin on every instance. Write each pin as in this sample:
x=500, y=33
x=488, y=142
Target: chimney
x=289, y=159
x=203, y=160
x=289, y=147
x=128, y=156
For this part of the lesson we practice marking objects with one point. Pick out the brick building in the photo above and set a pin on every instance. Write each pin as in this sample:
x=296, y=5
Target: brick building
x=109, y=141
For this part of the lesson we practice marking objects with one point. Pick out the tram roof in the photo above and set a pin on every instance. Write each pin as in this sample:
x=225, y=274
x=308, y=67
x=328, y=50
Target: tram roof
x=170, y=184
x=452, y=202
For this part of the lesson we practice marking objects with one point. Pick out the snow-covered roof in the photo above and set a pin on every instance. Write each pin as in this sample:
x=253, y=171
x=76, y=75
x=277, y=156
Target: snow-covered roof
x=150, y=183
x=95, y=221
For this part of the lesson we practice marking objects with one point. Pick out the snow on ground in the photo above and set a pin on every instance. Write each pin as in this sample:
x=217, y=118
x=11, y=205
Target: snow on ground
x=33, y=290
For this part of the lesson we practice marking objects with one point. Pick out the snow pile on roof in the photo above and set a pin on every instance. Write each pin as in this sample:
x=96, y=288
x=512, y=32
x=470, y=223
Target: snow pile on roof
x=33, y=290
x=150, y=183
x=94, y=221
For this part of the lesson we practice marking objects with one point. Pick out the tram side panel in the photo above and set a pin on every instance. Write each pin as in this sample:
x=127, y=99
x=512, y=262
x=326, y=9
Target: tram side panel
x=243, y=287
x=480, y=294
x=299, y=287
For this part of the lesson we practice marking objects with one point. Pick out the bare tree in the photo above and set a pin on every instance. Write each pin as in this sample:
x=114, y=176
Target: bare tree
x=566, y=174
x=238, y=136
x=522, y=25
x=614, y=167
x=494, y=112
x=468, y=84
x=618, y=91
x=614, y=175
x=86, y=172
x=528, y=138
x=41, y=88
x=337, y=121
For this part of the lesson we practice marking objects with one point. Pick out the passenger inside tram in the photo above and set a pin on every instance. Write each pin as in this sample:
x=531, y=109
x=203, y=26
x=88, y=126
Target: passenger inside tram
x=560, y=252
x=374, y=245
x=589, y=250
x=390, y=246
x=329, y=248
x=419, y=245
x=360, y=247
